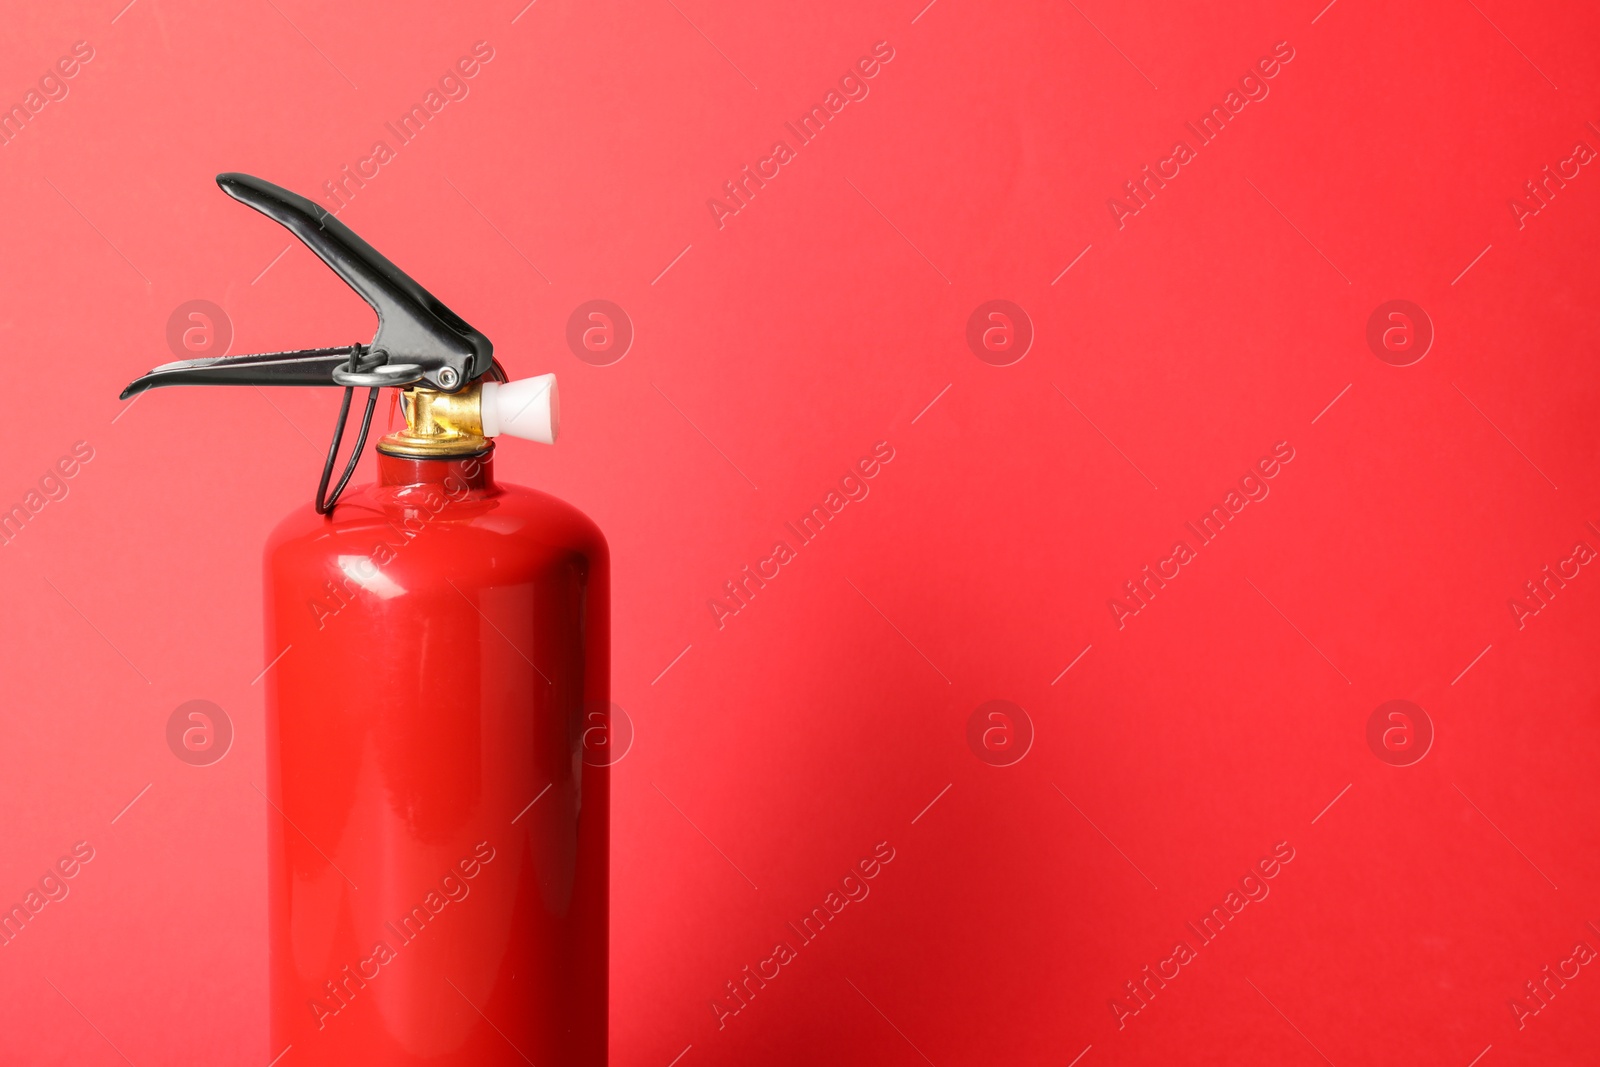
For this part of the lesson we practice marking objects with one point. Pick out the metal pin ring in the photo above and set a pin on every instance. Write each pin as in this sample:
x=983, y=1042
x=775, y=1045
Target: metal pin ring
x=388, y=374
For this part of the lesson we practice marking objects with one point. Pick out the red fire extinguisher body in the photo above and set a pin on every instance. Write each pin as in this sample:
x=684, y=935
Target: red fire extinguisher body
x=438, y=848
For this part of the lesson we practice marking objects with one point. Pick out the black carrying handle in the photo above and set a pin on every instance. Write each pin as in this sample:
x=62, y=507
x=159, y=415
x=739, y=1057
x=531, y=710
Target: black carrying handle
x=419, y=339
x=415, y=328
x=311, y=366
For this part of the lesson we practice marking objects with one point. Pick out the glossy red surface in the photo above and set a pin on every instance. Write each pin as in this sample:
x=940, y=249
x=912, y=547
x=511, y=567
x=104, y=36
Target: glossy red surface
x=438, y=885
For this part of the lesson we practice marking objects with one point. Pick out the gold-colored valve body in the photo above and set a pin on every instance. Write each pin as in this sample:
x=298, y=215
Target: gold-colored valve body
x=439, y=424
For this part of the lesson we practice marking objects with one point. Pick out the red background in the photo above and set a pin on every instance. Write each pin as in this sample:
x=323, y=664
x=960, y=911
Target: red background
x=825, y=717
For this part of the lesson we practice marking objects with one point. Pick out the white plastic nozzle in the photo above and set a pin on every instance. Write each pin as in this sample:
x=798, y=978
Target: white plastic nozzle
x=529, y=409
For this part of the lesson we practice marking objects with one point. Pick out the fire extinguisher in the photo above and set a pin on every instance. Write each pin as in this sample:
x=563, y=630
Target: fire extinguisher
x=438, y=650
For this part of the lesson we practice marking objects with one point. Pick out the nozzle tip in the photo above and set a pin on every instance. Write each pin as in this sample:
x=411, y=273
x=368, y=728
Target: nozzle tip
x=529, y=409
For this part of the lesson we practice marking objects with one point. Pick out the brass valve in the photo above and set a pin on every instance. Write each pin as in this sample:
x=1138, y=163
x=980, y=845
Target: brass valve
x=439, y=424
